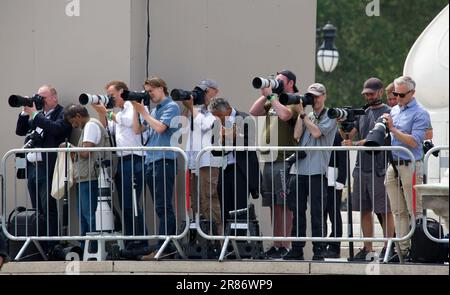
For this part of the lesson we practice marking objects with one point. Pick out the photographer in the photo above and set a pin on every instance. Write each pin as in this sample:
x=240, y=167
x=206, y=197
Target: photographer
x=159, y=165
x=314, y=129
x=199, y=137
x=407, y=122
x=280, y=121
x=93, y=134
x=47, y=129
x=369, y=195
x=239, y=178
x=129, y=172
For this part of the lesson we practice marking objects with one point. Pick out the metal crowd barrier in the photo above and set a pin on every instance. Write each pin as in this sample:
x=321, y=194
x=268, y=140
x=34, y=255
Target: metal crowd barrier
x=436, y=198
x=55, y=221
x=239, y=229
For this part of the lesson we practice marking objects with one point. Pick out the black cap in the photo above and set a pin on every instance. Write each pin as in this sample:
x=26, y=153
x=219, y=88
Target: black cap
x=372, y=85
x=291, y=77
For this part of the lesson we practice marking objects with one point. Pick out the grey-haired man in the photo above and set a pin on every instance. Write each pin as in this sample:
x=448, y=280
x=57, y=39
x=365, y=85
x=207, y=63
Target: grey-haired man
x=207, y=171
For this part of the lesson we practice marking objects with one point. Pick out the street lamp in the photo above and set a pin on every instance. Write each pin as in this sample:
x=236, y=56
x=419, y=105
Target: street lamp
x=328, y=56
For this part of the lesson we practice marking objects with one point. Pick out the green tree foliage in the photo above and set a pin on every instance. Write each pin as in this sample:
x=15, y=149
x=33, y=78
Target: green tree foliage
x=371, y=46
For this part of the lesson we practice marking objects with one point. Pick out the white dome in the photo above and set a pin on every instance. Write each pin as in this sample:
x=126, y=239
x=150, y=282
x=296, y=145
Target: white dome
x=427, y=63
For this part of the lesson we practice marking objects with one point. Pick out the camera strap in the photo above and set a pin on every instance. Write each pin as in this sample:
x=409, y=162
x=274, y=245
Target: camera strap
x=142, y=136
x=112, y=139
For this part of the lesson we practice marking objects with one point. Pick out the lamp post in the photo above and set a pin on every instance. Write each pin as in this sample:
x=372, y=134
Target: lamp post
x=327, y=55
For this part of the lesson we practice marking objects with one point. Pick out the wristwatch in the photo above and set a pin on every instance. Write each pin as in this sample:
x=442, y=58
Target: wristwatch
x=302, y=116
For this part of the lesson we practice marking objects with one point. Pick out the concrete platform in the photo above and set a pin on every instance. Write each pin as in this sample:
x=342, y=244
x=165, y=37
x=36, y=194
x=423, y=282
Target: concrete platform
x=228, y=267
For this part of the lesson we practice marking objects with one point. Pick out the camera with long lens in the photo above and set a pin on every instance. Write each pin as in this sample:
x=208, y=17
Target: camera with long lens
x=136, y=96
x=428, y=145
x=32, y=140
x=106, y=100
x=198, y=93
x=276, y=85
x=346, y=115
x=17, y=101
x=377, y=136
x=288, y=99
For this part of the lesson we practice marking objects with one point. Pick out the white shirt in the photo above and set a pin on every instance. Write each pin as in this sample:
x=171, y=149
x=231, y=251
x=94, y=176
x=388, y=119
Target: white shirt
x=200, y=138
x=123, y=129
x=92, y=133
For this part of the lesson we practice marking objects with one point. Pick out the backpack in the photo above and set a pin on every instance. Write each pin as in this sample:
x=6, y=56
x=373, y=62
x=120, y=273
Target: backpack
x=425, y=250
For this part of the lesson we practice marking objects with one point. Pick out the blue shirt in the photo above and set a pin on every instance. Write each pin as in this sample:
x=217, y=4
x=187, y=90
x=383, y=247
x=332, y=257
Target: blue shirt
x=163, y=112
x=411, y=119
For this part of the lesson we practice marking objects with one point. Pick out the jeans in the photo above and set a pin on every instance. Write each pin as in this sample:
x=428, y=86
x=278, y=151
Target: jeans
x=300, y=188
x=87, y=204
x=160, y=177
x=39, y=186
x=131, y=167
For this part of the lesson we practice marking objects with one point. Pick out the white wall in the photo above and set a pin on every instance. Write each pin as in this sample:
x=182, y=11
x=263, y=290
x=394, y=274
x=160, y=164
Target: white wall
x=230, y=41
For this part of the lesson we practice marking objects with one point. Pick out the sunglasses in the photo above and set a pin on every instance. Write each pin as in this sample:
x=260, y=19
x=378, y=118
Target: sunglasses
x=402, y=95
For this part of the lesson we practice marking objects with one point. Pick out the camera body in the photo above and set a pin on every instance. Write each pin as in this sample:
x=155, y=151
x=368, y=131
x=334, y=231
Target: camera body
x=32, y=140
x=276, y=85
x=17, y=101
x=86, y=98
x=136, y=96
x=288, y=99
x=428, y=145
x=198, y=93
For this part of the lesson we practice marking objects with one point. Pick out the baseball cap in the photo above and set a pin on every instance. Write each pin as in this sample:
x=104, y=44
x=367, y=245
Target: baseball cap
x=372, y=85
x=317, y=89
x=291, y=77
x=208, y=83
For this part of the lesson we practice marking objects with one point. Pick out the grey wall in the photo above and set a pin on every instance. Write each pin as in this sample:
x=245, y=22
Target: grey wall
x=229, y=41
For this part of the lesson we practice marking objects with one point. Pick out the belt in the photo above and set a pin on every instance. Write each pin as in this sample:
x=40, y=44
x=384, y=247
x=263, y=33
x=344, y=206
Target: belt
x=129, y=157
x=403, y=162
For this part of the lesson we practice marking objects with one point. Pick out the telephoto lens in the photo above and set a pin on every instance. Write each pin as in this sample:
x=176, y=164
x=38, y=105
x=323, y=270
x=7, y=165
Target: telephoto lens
x=86, y=98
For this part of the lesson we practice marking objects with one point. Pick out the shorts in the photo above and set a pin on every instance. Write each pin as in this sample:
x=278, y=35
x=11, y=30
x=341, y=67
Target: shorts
x=274, y=188
x=369, y=193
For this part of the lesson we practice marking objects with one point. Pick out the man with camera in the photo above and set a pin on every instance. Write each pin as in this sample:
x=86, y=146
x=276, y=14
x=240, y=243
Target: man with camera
x=198, y=138
x=239, y=175
x=87, y=164
x=314, y=129
x=407, y=122
x=46, y=128
x=129, y=174
x=369, y=195
x=280, y=122
x=160, y=166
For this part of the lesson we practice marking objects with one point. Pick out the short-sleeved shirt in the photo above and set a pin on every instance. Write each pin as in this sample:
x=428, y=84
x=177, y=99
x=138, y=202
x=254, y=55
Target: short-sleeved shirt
x=364, y=124
x=163, y=112
x=412, y=119
x=273, y=125
x=316, y=162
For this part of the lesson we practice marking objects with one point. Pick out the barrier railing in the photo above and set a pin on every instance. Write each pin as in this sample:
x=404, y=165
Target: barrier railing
x=49, y=220
x=437, y=193
x=239, y=229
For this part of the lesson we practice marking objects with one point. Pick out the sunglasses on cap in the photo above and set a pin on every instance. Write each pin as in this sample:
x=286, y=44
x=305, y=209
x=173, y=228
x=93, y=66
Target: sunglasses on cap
x=402, y=95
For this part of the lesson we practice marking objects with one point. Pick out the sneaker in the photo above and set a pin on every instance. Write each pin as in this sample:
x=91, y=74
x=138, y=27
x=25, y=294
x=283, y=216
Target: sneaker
x=294, y=254
x=276, y=253
x=332, y=252
x=167, y=254
x=364, y=255
x=395, y=258
x=383, y=253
